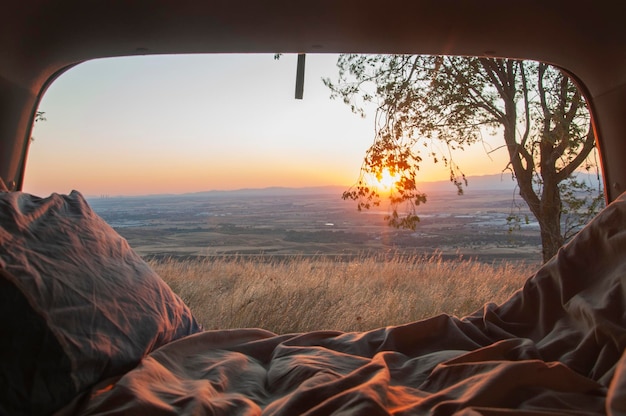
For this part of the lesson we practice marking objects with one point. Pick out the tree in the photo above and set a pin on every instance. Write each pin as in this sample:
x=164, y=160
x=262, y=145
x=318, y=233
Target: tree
x=446, y=103
x=39, y=116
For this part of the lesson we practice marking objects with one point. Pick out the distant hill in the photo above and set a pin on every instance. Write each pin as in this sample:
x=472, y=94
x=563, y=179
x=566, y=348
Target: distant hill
x=498, y=182
x=495, y=182
x=274, y=190
x=487, y=182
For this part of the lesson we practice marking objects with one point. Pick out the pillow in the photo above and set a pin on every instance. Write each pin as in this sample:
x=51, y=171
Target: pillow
x=77, y=303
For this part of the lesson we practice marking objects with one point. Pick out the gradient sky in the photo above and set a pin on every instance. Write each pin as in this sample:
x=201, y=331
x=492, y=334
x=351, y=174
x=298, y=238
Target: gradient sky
x=176, y=124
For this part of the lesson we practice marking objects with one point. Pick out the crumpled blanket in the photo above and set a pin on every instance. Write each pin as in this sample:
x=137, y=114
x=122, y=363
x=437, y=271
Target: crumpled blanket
x=555, y=347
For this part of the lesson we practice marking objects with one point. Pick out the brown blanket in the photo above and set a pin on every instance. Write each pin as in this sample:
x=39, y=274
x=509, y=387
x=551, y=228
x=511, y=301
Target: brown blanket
x=555, y=347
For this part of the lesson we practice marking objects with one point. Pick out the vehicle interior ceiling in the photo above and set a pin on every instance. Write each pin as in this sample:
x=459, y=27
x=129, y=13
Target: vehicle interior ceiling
x=40, y=39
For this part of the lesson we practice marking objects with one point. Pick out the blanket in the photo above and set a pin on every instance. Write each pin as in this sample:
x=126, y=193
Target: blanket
x=555, y=347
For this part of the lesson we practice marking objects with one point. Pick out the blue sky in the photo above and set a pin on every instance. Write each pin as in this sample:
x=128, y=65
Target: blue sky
x=175, y=124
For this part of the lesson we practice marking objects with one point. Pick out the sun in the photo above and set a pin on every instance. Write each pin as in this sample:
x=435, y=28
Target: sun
x=385, y=183
x=387, y=180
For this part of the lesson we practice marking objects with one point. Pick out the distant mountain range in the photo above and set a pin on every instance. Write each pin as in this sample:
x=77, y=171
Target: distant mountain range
x=497, y=182
x=503, y=182
x=493, y=182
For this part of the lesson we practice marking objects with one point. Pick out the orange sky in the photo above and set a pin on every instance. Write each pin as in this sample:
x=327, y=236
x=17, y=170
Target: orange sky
x=176, y=124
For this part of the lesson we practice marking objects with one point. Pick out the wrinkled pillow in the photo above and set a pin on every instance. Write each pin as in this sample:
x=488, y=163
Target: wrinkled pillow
x=77, y=304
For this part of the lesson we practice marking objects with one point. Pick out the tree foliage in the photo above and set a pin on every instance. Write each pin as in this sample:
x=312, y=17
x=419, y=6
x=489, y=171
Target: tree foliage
x=39, y=116
x=432, y=106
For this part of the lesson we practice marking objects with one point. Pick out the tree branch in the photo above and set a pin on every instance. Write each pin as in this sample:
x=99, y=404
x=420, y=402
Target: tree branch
x=524, y=138
x=589, y=144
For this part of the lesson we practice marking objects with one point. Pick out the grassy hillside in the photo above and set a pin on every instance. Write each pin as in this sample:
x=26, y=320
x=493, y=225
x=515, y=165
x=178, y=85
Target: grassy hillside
x=304, y=294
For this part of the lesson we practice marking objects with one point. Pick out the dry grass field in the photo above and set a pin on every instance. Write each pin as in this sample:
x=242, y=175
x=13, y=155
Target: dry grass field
x=304, y=293
x=295, y=260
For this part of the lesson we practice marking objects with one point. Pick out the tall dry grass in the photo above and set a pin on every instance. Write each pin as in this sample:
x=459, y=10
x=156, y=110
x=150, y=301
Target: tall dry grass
x=305, y=294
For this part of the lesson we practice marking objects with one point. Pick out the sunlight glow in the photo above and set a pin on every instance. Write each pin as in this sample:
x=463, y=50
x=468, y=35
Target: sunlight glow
x=385, y=182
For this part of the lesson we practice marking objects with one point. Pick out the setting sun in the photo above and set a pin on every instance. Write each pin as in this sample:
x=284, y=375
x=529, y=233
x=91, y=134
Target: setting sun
x=385, y=183
x=387, y=180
